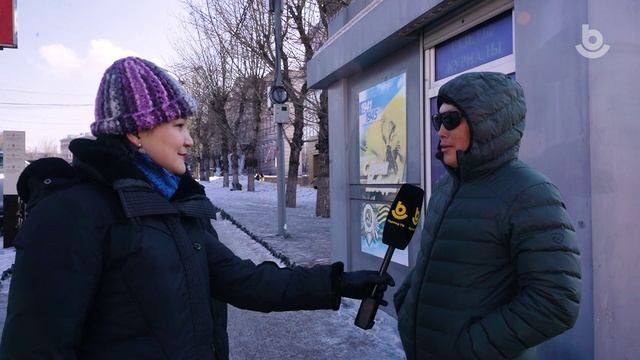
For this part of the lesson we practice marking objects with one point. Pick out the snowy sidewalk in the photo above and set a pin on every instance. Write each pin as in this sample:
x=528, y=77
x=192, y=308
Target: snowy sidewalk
x=303, y=334
x=309, y=243
x=309, y=335
x=6, y=260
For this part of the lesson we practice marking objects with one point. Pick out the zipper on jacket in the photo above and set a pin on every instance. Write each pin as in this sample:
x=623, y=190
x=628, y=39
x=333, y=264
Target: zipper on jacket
x=456, y=184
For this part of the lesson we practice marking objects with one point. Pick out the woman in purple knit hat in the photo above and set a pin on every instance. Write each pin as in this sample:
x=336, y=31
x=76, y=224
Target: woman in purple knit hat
x=118, y=259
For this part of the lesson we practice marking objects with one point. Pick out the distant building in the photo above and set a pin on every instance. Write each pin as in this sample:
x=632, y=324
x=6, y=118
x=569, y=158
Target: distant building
x=266, y=145
x=64, y=145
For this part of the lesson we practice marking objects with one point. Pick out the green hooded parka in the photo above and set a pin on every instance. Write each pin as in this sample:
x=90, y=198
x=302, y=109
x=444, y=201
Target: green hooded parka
x=498, y=270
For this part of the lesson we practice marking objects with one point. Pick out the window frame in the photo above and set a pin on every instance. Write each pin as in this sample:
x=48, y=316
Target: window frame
x=464, y=21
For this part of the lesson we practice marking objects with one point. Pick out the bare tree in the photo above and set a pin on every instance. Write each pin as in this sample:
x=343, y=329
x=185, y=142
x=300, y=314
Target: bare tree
x=206, y=55
x=250, y=71
x=200, y=127
x=310, y=21
x=327, y=9
x=243, y=33
x=252, y=29
x=256, y=35
x=248, y=100
x=46, y=148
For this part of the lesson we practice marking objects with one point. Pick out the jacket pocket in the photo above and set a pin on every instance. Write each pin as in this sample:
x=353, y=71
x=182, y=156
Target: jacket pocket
x=462, y=345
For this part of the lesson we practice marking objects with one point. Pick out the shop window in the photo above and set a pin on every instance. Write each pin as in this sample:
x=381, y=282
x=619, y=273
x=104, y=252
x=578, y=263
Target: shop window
x=487, y=46
x=483, y=44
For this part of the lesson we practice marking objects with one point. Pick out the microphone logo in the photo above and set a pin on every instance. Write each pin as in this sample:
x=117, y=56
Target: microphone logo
x=400, y=212
x=592, y=49
x=416, y=217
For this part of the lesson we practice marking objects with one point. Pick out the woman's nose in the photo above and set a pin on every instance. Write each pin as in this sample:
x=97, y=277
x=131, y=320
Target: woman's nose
x=188, y=141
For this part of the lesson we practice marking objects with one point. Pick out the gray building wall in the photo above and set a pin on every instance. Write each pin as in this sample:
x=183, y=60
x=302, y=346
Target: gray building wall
x=363, y=42
x=614, y=100
x=346, y=14
x=556, y=139
x=339, y=169
x=580, y=133
x=405, y=60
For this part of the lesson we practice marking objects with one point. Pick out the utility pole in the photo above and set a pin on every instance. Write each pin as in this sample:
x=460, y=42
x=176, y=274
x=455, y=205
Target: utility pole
x=279, y=96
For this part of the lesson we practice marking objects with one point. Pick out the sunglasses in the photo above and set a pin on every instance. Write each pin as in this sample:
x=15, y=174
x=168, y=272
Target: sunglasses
x=450, y=120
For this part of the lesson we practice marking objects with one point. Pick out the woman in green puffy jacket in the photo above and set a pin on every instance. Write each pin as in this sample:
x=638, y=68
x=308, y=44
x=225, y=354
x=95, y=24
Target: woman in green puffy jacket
x=499, y=268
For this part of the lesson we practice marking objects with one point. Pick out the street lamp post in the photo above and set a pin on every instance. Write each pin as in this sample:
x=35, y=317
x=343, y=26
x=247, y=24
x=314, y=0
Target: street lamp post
x=279, y=96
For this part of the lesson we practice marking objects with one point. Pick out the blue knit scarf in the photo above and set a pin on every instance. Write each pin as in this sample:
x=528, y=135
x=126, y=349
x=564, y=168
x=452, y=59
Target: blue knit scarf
x=161, y=179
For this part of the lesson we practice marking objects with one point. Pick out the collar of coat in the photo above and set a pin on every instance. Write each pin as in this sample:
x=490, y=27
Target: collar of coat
x=109, y=162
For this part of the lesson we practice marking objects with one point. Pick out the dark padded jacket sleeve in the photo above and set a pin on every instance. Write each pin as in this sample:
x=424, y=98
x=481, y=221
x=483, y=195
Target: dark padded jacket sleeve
x=267, y=287
x=56, y=272
x=543, y=243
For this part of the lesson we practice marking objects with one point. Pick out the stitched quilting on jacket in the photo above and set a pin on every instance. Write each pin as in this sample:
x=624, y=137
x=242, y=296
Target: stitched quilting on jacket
x=499, y=270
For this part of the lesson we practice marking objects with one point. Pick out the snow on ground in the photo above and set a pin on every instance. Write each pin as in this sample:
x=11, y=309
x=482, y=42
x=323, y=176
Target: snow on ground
x=257, y=211
x=6, y=260
x=303, y=334
x=320, y=334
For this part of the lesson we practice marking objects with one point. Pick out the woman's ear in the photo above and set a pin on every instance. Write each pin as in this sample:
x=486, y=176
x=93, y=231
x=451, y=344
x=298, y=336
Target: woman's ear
x=134, y=139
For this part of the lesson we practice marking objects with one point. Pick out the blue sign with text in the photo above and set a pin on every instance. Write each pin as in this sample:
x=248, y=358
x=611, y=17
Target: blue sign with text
x=486, y=42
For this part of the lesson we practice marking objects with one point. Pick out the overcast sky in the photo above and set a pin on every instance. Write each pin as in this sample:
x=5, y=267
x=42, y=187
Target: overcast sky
x=63, y=48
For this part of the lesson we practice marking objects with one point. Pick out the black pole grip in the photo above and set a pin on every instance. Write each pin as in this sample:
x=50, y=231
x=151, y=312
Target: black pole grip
x=369, y=306
x=367, y=313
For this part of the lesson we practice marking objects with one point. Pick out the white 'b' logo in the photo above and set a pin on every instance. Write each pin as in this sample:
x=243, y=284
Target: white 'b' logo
x=592, y=49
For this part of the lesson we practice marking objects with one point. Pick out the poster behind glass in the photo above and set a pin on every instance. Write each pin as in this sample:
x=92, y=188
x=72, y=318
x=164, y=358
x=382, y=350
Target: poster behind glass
x=383, y=133
x=372, y=220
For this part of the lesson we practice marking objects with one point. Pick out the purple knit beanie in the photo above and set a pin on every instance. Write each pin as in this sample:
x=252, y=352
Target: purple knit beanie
x=136, y=95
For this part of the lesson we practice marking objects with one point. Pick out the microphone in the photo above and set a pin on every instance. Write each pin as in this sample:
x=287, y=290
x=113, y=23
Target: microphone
x=398, y=229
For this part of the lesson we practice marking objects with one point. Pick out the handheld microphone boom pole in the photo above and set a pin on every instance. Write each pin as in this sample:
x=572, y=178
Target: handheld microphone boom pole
x=398, y=229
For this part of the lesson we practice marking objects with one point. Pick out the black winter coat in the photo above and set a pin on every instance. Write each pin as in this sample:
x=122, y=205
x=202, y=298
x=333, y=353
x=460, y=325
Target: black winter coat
x=498, y=270
x=107, y=268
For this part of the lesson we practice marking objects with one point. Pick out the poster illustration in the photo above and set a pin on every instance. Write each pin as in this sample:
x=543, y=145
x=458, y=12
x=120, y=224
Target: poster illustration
x=383, y=132
x=372, y=219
